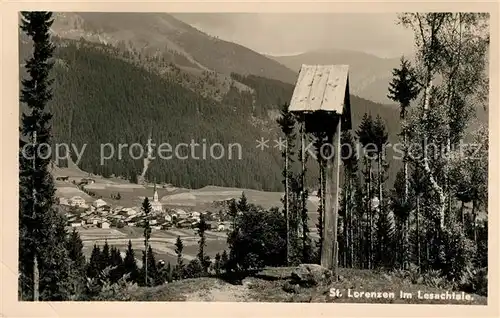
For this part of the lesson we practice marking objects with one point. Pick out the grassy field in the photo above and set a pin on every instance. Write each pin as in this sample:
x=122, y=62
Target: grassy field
x=272, y=285
x=162, y=242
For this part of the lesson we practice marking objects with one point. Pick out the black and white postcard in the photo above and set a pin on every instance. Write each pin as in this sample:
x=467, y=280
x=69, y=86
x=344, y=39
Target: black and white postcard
x=176, y=155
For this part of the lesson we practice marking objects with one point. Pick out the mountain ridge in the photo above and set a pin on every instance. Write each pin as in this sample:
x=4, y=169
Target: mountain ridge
x=369, y=75
x=160, y=34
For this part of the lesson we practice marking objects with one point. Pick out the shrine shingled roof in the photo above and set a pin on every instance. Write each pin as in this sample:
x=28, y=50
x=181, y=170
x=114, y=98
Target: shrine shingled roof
x=321, y=87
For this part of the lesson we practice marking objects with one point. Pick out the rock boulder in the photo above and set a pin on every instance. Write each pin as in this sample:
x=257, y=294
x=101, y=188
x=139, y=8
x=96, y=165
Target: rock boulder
x=311, y=275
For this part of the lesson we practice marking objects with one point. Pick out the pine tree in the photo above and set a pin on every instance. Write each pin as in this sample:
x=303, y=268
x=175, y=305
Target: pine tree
x=303, y=194
x=233, y=211
x=404, y=89
x=242, y=203
x=152, y=277
x=146, y=207
x=385, y=239
x=169, y=272
x=217, y=265
x=179, y=268
x=94, y=266
x=202, y=257
x=105, y=259
x=44, y=264
x=115, y=257
x=380, y=137
x=401, y=208
x=350, y=162
x=418, y=187
x=224, y=259
x=286, y=122
x=130, y=263
x=366, y=137
x=75, y=253
x=116, y=263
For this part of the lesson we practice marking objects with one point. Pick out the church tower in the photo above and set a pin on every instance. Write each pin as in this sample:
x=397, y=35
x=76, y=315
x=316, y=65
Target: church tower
x=156, y=205
x=155, y=195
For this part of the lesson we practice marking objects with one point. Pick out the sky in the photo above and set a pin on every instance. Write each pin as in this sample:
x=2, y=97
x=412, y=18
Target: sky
x=291, y=33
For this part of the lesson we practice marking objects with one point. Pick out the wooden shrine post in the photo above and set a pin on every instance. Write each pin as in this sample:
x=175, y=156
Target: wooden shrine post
x=322, y=95
x=329, y=248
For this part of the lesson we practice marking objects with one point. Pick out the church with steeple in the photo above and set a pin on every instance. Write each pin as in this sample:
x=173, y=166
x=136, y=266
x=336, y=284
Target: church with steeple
x=156, y=205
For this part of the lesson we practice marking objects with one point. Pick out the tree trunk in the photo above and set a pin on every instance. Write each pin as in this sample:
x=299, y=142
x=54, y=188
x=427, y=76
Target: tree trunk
x=418, y=231
x=351, y=237
x=462, y=213
x=426, y=167
x=370, y=211
x=380, y=188
x=303, y=193
x=474, y=217
x=287, y=205
x=146, y=264
x=405, y=165
x=36, y=274
x=36, y=279
x=346, y=219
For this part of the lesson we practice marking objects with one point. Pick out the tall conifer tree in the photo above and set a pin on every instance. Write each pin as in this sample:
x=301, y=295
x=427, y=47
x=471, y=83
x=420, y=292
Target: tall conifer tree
x=287, y=124
x=44, y=264
x=146, y=208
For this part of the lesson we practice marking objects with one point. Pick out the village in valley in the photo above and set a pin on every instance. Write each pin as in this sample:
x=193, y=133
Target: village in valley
x=100, y=214
x=109, y=210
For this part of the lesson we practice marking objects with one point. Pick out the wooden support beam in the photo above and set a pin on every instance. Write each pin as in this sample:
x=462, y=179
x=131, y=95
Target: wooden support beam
x=329, y=251
x=336, y=197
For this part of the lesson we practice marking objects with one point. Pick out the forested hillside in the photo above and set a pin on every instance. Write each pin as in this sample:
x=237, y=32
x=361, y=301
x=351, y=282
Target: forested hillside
x=102, y=98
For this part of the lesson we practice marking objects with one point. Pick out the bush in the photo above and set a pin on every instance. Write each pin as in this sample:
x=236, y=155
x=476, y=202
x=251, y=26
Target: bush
x=120, y=291
x=258, y=239
x=459, y=255
x=101, y=288
x=193, y=269
x=478, y=282
x=434, y=278
x=291, y=288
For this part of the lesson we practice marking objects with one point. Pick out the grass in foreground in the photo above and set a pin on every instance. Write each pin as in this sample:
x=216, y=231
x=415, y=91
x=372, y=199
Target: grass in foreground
x=273, y=285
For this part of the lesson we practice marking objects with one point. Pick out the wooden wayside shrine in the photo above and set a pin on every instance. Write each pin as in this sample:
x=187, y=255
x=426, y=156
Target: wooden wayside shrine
x=321, y=95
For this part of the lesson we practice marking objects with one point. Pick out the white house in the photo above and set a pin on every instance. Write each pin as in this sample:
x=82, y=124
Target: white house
x=104, y=225
x=99, y=203
x=94, y=221
x=76, y=224
x=195, y=214
x=129, y=211
x=195, y=219
x=77, y=201
x=168, y=217
x=181, y=214
x=64, y=201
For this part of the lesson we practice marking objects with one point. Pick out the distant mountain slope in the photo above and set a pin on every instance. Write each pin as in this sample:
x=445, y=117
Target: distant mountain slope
x=100, y=98
x=160, y=34
x=369, y=74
